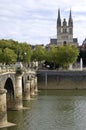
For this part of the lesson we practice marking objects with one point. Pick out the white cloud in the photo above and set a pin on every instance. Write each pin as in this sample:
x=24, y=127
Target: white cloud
x=34, y=21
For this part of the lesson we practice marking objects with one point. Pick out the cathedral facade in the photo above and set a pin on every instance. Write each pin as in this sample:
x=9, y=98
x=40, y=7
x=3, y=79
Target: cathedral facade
x=64, y=31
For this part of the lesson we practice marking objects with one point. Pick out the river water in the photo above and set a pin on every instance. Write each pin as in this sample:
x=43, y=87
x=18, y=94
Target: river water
x=52, y=110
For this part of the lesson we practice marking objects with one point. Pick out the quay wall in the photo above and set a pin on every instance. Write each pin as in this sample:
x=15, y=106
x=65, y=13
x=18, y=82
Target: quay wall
x=50, y=79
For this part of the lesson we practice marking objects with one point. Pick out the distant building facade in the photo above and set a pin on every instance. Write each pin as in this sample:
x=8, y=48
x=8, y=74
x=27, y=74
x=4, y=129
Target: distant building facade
x=64, y=32
x=84, y=44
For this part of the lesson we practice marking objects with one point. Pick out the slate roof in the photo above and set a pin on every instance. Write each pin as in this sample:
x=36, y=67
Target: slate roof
x=53, y=41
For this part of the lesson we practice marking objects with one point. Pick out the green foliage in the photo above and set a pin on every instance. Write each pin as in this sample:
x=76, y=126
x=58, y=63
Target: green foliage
x=39, y=53
x=51, y=54
x=62, y=55
x=26, y=52
x=9, y=50
x=1, y=55
x=9, y=56
x=67, y=55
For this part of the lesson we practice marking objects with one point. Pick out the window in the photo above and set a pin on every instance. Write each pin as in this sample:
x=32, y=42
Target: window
x=64, y=30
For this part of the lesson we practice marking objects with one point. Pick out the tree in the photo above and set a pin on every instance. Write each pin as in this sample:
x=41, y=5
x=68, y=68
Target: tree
x=67, y=55
x=62, y=55
x=51, y=55
x=9, y=56
x=26, y=52
x=1, y=55
x=24, y=49
x=39, y=53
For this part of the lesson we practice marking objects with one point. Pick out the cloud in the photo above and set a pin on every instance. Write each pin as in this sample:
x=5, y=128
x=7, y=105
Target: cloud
x=34, y=21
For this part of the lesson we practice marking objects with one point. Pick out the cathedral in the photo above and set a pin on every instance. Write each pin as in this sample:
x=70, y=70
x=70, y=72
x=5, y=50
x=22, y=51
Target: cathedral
x=64, y=32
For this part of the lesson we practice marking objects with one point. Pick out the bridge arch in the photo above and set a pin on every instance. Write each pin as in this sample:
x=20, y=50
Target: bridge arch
x=10, y=92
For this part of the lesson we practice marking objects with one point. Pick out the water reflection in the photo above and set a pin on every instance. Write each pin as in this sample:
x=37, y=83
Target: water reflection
x=17, y=118
x=52, y=110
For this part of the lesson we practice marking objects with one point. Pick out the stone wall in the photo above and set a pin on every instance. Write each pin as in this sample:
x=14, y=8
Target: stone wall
x=61, y=79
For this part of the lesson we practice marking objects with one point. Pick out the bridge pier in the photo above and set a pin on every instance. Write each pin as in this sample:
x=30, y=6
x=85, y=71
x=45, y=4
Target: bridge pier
x=3, y=110
x=27, y=91
x=36, y=88
x=18, y=92
x=32, y=91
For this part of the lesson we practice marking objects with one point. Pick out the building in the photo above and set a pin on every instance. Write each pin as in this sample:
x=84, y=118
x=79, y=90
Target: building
x=64, y=32
x=84, y=45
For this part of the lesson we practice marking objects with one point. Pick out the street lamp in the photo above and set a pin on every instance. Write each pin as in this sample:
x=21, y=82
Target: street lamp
x=25, y=59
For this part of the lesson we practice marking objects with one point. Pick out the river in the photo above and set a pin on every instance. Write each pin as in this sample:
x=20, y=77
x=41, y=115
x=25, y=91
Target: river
x=52, y=110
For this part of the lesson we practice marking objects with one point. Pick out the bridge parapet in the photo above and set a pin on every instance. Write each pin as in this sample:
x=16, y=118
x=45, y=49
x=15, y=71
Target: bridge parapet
x=7, y=69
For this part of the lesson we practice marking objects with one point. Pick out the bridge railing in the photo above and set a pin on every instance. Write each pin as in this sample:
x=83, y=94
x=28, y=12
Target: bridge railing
x=12, y=68
x=6, y=68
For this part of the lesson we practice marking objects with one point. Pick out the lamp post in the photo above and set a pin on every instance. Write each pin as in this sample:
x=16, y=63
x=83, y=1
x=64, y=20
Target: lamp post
x=18, y=65
x=25, y=59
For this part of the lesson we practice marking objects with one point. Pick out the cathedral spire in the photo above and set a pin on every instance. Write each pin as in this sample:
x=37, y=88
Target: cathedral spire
x=70, y=22
x=70, y=15
x=58, y=19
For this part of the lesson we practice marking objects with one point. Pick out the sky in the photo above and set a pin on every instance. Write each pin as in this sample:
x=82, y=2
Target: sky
x=34, y=21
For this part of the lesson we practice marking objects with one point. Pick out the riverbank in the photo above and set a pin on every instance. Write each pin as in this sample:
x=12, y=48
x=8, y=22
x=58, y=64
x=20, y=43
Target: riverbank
x=53, y=79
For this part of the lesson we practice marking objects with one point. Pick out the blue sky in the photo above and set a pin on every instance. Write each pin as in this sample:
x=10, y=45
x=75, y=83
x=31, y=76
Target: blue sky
x=34, y=21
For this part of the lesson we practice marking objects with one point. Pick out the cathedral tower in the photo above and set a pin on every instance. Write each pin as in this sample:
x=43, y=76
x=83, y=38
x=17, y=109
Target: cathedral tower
x=64, y=30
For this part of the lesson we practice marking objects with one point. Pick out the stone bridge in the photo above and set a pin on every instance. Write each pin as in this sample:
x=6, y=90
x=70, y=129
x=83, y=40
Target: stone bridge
x=13, y=89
